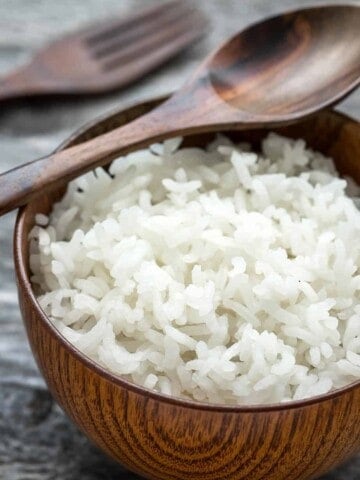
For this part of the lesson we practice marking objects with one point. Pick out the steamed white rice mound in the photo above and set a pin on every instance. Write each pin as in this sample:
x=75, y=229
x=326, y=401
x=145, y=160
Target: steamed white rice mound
x=217, y=275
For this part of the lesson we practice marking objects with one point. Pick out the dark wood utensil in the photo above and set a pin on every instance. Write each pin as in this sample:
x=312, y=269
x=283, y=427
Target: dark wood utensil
x=108, y=55
x=274, y=72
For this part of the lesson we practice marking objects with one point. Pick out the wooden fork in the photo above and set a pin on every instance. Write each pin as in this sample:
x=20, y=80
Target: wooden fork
x=110, y=55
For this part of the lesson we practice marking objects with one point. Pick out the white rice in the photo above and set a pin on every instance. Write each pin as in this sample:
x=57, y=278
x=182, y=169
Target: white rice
x=218, y=275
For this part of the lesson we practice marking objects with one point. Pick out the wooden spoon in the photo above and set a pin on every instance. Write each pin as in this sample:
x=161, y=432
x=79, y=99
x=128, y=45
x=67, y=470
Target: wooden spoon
x=274, y=72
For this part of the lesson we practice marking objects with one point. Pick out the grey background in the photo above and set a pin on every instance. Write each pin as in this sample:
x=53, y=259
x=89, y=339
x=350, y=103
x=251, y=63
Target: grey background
x=37, y=441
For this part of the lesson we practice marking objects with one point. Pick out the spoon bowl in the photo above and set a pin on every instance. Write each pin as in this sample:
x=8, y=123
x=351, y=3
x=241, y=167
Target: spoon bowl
x=290, y=64
x=275, y=72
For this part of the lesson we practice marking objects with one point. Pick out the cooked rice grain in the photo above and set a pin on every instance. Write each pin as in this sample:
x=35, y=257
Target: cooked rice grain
x=218, y=275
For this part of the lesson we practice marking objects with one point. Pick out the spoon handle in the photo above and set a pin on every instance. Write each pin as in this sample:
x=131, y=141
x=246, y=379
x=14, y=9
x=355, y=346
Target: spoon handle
x=19, y=185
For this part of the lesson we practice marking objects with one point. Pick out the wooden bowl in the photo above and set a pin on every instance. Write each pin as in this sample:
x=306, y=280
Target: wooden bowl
x=162, y=437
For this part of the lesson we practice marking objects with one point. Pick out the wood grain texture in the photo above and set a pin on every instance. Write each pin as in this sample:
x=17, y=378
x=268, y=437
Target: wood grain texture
x=170, y=439
x=300, y=65
x=108, y=55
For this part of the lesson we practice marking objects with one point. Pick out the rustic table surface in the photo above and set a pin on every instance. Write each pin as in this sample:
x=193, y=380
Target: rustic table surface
x=37, y=441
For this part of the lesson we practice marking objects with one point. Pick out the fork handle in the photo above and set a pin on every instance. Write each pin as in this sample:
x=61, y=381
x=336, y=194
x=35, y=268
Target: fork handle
x=19, y=83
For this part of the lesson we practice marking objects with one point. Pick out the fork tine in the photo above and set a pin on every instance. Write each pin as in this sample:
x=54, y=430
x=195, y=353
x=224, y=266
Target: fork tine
x=151, y=54
x=118, y=36
x=151, y=40
x=148, y=43
x=94, y=35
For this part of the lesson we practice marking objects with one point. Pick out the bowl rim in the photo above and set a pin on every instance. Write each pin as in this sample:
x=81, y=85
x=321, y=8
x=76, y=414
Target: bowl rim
x=25, y=289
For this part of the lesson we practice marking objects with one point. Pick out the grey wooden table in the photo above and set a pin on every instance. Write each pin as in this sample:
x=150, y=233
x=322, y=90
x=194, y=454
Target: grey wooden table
x=37, y=441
